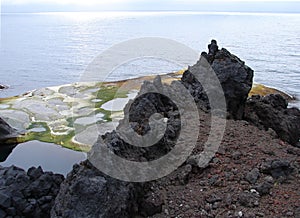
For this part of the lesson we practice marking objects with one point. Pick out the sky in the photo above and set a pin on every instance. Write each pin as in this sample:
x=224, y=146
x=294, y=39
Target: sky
x=133, y=5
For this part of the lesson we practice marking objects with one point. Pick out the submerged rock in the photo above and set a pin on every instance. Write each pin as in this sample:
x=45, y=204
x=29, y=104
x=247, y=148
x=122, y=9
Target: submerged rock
x=271, y=112
x=234, y=76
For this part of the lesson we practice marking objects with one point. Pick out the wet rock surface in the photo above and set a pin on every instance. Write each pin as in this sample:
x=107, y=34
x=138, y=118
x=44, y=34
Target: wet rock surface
x=27, y=194
x=272, y=112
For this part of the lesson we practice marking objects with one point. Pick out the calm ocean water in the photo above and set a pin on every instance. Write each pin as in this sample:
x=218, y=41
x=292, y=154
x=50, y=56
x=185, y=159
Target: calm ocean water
x=48, y=49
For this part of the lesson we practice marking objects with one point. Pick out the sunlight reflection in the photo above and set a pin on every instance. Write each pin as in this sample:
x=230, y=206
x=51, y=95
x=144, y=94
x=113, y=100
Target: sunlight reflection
x=89, y=16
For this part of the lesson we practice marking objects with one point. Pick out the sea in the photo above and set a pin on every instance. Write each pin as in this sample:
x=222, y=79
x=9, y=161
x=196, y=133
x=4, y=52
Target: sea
x=49, y=49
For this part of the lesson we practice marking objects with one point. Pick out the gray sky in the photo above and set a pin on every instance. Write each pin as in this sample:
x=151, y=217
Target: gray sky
x=112, y=5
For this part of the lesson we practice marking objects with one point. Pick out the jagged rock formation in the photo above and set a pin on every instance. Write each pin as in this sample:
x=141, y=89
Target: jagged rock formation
x=271, y=112
x=27, y=194
x=89, y=193
x=235, y=78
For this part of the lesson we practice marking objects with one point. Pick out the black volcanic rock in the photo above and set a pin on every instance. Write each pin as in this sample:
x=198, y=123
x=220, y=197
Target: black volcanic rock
x=235, y=78
x=271, y=112
x=87, y=192
x=28, y=194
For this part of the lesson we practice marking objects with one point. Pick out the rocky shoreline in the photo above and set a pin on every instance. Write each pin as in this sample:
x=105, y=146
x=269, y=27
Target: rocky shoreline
x=255, y=172
x=27, y=194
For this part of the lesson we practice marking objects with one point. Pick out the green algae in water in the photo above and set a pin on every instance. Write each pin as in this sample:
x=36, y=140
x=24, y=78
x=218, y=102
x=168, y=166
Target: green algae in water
x=105, y=94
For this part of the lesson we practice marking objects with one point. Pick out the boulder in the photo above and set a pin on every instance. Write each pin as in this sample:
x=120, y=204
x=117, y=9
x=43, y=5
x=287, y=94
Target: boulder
x=277, y=168
x=272, y=112
x=7, y=133
x=235, y=77
x=249, y=199
x=87, y=192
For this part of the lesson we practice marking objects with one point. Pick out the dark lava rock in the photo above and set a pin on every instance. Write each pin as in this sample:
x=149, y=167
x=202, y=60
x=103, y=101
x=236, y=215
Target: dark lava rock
x=2, y=213
x=271, y=112
x=87, y=192
x=234, y=76
x=35, y=173
x=213, y=198
x=139, y=112
x=151, y=205
x=25, y=196
x=277, y=168
x=265, y=187
x=5, y=199
x=253, y=176
x=249, y=199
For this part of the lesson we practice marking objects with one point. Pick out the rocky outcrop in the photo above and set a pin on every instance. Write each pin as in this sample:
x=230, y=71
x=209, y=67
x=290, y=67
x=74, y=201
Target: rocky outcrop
x=3, y=87
x=8, y=140
x=27, y=194
x=87, y=192
x=7, y=133
x=271, y=112
x=235, y=78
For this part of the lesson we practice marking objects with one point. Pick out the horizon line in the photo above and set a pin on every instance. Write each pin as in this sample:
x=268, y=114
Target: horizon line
x=179, y=11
